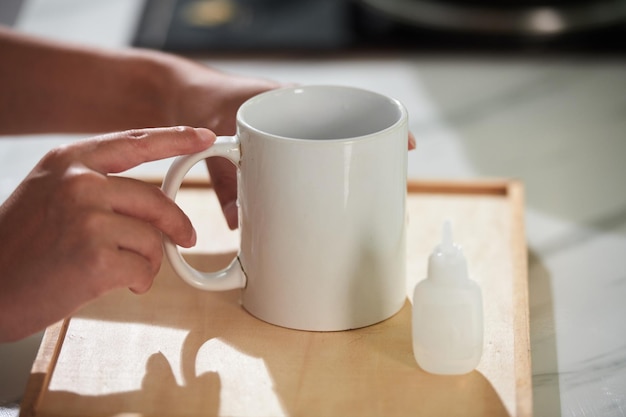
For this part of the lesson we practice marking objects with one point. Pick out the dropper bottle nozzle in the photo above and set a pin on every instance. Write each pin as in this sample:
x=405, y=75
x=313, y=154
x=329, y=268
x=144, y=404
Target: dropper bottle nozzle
x=446, y=236
x=447, y=263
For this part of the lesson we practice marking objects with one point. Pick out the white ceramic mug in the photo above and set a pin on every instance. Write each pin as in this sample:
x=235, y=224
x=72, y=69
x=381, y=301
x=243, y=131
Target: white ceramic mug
x=321, y=194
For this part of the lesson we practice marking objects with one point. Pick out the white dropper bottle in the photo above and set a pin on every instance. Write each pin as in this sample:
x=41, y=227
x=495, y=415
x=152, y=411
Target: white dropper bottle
x=447, y=313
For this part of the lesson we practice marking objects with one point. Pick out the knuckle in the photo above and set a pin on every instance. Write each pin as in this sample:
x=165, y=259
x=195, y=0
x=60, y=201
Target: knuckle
x=184, y=130
x=89, y=224
x=100, y=259
x=138, y=140
x=81, y=183
x=58, y=158
x=135, y=133
x=99, y=263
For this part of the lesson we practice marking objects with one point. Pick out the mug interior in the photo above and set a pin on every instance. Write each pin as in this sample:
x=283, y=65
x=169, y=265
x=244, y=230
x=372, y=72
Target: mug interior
x=320, y=112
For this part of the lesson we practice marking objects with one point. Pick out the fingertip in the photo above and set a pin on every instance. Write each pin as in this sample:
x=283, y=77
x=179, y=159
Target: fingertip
x=412, y=142
x=186, y=242
x=139, y=290
x=144, y=282
x=205, y=135
x=193, y=239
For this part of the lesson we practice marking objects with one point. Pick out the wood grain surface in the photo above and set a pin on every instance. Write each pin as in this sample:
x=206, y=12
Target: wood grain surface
x=177, y=351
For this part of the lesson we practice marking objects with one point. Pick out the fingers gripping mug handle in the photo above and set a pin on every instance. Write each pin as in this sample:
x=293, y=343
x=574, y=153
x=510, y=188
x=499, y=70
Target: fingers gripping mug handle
x=230, y=277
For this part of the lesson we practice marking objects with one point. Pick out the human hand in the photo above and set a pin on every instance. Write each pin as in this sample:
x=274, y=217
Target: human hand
x=207, y=97
x=211, y=98
x=70, y=232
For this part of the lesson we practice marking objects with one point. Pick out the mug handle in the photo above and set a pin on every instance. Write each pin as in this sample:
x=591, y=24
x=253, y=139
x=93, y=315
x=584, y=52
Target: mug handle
x=232, y=276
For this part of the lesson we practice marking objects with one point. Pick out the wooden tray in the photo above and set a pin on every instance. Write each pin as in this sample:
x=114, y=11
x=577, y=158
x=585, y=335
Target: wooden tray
x=176, y=351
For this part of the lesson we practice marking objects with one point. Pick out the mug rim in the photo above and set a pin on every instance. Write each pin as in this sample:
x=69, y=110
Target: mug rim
x=401, y=120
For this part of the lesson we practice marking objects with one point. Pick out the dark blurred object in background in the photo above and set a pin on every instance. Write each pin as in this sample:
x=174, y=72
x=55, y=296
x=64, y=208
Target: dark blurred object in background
x=9, y=10
x=235, y=26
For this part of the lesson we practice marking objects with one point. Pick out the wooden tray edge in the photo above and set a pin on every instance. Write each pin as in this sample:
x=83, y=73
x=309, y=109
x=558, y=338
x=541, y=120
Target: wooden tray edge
x=43, y=367
x=523, y=365
x=478, y=187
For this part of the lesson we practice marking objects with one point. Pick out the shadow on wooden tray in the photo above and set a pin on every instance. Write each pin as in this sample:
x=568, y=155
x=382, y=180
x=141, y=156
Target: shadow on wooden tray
x=234, y=364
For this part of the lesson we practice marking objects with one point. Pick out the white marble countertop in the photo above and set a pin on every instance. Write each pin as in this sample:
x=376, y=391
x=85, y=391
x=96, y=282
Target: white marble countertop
x=557, y=124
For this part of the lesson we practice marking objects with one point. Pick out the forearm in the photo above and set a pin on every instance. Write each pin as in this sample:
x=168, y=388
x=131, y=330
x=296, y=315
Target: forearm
x=47, y=86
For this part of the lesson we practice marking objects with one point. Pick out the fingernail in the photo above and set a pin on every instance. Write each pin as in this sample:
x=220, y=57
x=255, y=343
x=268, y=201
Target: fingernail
x=205, y=134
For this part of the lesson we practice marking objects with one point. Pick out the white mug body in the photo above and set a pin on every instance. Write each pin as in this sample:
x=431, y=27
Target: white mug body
x=322, y=195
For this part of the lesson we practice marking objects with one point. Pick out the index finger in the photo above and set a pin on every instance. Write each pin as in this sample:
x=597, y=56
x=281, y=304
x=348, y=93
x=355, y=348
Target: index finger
x=119, y=151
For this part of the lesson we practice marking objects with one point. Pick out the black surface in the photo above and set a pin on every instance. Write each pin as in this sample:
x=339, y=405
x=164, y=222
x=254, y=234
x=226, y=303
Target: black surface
x=339, y=25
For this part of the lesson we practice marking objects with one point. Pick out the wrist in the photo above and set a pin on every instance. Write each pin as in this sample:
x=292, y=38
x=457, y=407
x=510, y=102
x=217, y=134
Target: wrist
x=183, y=87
